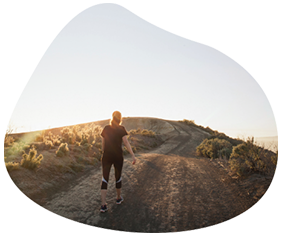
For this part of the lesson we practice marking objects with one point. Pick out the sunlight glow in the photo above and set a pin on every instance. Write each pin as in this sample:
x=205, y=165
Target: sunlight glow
x=123, y=63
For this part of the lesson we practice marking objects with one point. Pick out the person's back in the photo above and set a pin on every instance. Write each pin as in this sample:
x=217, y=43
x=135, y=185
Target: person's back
x=113, y=139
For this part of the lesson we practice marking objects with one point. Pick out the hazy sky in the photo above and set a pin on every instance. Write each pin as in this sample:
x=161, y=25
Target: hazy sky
x=109, y=59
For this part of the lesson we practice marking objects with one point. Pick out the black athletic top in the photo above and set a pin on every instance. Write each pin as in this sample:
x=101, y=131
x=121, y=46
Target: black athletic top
x=113, y=139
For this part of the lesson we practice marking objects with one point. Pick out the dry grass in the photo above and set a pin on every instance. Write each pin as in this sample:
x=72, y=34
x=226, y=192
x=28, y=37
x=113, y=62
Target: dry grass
x=30, y=161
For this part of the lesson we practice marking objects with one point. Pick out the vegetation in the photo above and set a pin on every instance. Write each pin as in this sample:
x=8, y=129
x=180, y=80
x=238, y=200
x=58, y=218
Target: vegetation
x=9, y=140
x=11, y=165
x=217, y=145
x=248, y=158
x=214, y=148
x=214, y=133
x=30, y=161
x=143, y=132
x=16, y=148
x=40, y=137
x=244, y=157
x=192, y=123
x=84, y=142
x=63, y=150
x=141, y=139
x=49, y=144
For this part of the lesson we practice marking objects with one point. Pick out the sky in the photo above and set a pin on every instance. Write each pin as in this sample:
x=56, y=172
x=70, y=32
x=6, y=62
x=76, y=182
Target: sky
x=107, y=58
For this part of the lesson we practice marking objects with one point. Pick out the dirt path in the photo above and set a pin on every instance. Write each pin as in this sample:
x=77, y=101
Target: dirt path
x=169, y=189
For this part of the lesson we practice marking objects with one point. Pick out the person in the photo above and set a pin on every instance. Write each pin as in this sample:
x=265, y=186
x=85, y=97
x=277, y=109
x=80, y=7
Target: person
x=112, y=137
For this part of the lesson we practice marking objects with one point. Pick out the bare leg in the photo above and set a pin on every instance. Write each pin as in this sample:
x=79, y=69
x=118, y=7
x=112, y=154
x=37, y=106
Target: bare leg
x=103, y=196
x=118, y=193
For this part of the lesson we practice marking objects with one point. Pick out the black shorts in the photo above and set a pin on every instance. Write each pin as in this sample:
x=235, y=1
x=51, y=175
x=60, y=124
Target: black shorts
x=108, y=160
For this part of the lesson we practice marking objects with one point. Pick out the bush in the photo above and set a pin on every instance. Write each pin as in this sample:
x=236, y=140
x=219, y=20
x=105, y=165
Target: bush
x=192, y=123
x=149, y=133
x=11, y=165
x=219, y=135
x=30, y=161
x=68, y=136
x=274, y=158
x=225, y=152
x=40, y=137
x=16, y=148
x=134, y=131
x=65, y=131
x=9, y=140
x=56, y=141
x=214, y=148
x=49, y=144
x=84, y=139
x=72, y=138
x=38, y=145
x=248, y=158
x=90, y=134
x=188, y=122
x=62, y=150
x=143, y=132
x=87, y=146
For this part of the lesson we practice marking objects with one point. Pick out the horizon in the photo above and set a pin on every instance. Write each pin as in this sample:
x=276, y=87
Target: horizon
x=106, y=58
x=15, y=130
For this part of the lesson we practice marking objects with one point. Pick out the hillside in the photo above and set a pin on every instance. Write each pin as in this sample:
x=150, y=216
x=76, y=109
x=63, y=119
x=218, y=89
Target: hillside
x=169, y=189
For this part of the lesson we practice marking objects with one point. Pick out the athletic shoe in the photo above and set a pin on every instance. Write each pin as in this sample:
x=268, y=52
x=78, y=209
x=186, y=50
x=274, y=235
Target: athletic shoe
x=104, y=208
x=119, y=201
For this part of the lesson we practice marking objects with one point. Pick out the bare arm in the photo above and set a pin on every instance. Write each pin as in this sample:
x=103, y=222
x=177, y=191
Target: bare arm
x=128, y=147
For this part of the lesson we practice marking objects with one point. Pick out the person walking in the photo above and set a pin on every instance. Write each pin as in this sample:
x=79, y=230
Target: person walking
x=113, y=135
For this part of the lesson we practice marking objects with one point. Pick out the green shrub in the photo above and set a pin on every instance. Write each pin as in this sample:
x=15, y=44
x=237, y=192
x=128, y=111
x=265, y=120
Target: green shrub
x=16, y=148
x=247, y=158
x=225, y=152
x=219, y=135
x=62, y=150
x=214, y=148
x=30, y=161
